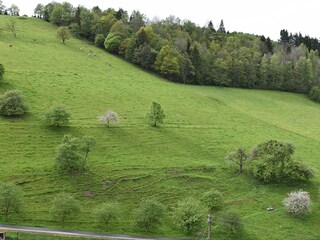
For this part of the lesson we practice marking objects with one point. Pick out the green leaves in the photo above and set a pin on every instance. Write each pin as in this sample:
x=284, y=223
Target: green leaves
x=12, y=104
x=156, y=114
x=1, y=71
x=64, y=207
x=187, y=215
x=149, y=215
x=73, y=152
x=57, y=116
x=10, y=199
x=105, y=213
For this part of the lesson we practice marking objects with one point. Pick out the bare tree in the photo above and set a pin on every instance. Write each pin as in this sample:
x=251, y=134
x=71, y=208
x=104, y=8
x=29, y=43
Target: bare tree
x=110, y=116
x=10, y=199
x=238, y=157
x=12, y=27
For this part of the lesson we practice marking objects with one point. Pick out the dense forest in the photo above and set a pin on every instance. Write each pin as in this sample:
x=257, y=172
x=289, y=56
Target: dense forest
x=183, y=52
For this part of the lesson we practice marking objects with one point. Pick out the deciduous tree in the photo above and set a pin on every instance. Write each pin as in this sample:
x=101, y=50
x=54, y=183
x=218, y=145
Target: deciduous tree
x=137, y=20
x=2, y=7
x=105, y=213
x=298, y=203
x=73, y=153
x=167, y=62
x=213, y=200
x=188, y=215
x=113, y=42
x=63, y=34
x=13, y=10
x=149, y=214
x=239, y=158
x=273, y=162
x=11, y=25
x=156, y=114
x=39, y=10
x=64, y=208
x=229, y=224
x=314, y=93
x=10, y=199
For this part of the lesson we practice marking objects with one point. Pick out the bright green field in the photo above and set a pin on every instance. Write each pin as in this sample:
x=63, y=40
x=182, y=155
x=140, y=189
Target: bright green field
x=184, y=157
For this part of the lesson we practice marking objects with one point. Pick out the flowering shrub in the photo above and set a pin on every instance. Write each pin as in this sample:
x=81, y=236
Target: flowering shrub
x=298, y=203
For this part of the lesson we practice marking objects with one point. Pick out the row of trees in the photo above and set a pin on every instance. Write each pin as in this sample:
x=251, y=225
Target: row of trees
x=188, y=215
x=57, y=116
x=183, y=52
x=13, y=10
x=296, y=39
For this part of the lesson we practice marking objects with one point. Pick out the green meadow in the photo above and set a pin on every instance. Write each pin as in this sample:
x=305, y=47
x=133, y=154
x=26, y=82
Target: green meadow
x=132, y=161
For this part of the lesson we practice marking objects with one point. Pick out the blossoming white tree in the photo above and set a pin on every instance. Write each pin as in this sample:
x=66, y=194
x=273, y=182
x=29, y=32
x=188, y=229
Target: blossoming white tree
x=298, y=203
x=110, y=116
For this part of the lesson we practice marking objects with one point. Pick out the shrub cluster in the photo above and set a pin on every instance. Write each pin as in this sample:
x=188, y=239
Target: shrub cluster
x=272, y=162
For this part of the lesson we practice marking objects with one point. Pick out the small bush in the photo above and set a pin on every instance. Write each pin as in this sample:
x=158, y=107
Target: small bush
x=230, y=224
x=213, y=200
x=149, y=214
x=298, y=203
x=105, y=213
x=12, y=104
x=1, y=71
x=57, y=116
x=314, y=94
x=10, y=199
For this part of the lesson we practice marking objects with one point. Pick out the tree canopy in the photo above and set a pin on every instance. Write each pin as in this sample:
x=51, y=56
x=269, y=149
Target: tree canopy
x=273, y=162
x=156, y=114
x=184, y=52
x=10, y=199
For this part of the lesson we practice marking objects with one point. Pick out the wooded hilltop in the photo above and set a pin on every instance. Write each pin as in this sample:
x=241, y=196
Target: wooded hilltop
x=183, y=52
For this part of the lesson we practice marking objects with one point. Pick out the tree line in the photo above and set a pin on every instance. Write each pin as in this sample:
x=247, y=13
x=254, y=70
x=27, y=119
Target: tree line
x=13, y=10
x=183, y=52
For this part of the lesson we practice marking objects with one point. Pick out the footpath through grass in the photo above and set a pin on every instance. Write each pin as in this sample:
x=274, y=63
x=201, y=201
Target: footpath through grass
x=133, y=161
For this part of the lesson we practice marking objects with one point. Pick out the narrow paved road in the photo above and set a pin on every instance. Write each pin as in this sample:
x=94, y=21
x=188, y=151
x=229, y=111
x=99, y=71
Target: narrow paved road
x=74, y=233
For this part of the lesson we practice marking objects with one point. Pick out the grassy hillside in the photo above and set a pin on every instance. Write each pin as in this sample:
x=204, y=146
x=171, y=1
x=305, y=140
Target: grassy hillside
x=184, y=157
